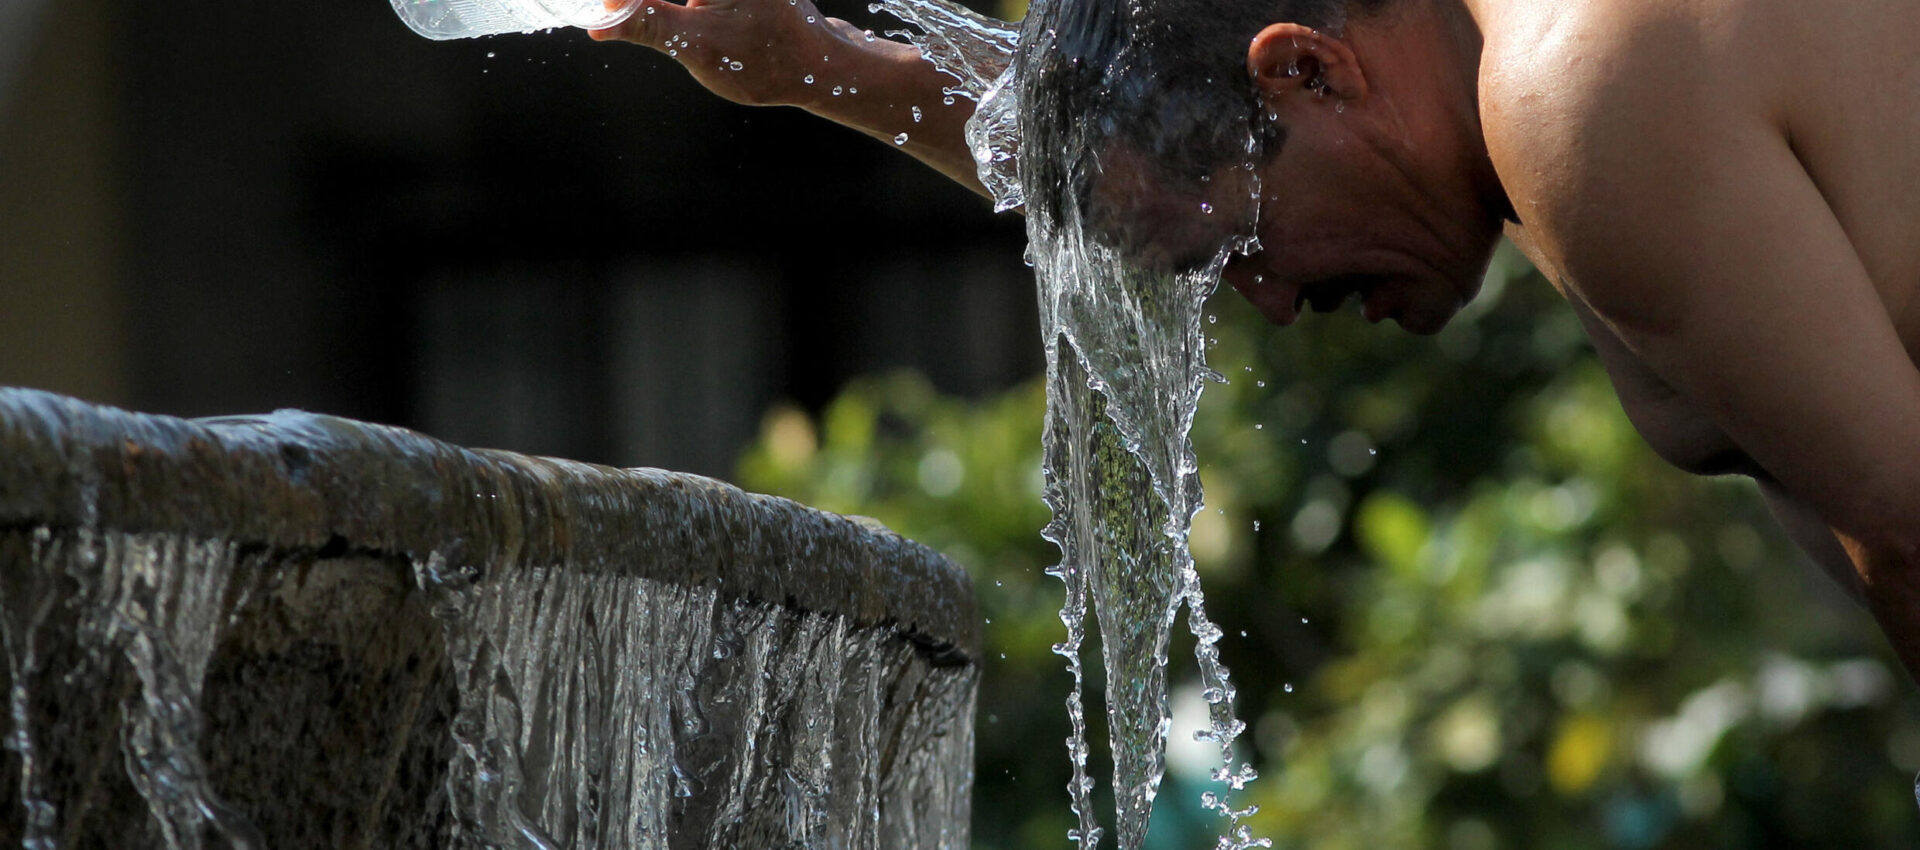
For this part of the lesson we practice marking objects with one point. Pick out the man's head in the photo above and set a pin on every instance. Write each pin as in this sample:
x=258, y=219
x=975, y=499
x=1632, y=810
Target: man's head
x=1355, y=120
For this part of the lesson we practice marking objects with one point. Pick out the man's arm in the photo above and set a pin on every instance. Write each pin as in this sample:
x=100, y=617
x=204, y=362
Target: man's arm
x=1813, y=536
x=791, y=55
x=1663, y=188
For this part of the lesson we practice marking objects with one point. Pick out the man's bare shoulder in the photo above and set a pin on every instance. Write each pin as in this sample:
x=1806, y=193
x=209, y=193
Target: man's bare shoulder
x=1610, y=96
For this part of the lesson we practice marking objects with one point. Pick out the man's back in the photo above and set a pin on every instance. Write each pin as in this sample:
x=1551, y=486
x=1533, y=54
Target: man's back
x=1682, y=86
x=1842, y=84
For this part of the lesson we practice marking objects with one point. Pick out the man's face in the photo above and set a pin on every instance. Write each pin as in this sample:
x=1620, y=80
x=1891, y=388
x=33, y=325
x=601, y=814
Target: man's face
x=1382, y=191
x=1341, y=218
x=1165, y=224
x=1337, y=221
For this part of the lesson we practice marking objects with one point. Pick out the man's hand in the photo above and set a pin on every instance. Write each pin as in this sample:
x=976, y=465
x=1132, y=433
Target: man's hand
x=755, y=52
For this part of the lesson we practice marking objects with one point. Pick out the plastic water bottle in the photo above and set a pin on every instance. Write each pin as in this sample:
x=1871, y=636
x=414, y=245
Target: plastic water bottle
x=441, y=20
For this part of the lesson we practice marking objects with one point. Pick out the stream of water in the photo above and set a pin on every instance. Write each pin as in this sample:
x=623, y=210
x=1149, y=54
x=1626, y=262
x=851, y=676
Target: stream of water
x=1126, y=364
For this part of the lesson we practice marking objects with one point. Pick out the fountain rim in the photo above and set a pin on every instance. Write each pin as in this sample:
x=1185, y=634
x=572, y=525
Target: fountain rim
x=297, y=482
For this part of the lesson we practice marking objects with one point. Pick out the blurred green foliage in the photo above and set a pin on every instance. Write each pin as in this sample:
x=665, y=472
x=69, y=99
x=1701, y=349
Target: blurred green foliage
x=1467, y=607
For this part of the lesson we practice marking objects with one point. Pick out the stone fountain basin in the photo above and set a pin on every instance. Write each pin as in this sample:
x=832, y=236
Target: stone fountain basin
x=295, y=630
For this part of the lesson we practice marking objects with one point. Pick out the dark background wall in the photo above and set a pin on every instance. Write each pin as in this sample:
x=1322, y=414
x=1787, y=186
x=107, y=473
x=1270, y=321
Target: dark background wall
x=528, y=242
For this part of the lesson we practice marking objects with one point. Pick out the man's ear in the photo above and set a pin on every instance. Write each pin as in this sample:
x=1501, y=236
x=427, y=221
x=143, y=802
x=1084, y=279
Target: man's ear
x=1286, y=59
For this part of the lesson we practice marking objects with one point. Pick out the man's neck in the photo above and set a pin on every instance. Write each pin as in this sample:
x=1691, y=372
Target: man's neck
x=1435, y=58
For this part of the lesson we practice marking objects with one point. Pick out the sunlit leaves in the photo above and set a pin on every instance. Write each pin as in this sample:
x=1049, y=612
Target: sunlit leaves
x=1478, y=612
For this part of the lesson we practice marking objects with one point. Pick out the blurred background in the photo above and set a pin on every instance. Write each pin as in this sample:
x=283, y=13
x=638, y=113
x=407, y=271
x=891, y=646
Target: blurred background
x=1466, y=607
x=529, y=242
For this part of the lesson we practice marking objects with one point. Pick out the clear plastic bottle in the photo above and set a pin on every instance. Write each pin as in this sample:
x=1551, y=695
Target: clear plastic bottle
x=441, y=20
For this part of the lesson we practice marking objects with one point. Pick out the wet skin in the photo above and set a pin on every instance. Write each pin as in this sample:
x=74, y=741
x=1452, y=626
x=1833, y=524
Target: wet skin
x=1383, y=190
x=1727, y=192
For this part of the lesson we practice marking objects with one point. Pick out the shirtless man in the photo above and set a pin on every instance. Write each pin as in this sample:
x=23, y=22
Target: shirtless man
x=1727, y=191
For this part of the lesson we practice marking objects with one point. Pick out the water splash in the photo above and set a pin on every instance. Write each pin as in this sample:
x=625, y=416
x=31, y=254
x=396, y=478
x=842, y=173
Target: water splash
x=1121, y=319
x=977, y=52
x=970, y=47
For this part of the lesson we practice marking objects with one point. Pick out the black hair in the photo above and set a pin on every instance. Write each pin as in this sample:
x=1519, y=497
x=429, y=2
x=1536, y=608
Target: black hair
x=1166, y=78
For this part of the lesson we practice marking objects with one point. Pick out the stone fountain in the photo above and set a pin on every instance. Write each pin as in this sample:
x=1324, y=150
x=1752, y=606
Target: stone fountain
x=299, y=631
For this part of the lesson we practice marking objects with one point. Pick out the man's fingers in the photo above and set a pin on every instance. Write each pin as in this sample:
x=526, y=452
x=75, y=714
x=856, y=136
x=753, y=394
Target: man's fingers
x=651, y=25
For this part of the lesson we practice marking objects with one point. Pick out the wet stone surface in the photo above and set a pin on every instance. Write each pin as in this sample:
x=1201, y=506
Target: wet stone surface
x=300, y=631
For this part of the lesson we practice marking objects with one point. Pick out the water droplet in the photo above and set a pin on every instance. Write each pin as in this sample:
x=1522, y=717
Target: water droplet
x=490, y=54
x=916, y=115
x=869, y=35
x=1303, y=621
x=1288, y=687
x=837, y=91
x=811, y=19
x=948, y=100
x=900, y=139
x=1259, y=427
x=1260, y=383
x=808, y=79
x=1206, y=208
x=1212, y=319
x=735, y=65
x=1256, y=525
x=853, y=90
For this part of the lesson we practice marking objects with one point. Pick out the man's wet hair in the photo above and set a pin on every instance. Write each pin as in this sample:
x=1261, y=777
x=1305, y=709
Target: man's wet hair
x=1165, y=78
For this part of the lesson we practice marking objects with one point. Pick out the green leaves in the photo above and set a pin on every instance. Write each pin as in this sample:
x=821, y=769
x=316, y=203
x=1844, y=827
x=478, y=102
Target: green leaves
x=1393, y=530
x=1466, y=606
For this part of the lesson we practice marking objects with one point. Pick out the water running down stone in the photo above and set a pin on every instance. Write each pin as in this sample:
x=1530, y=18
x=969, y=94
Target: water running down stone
x=300, y=631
